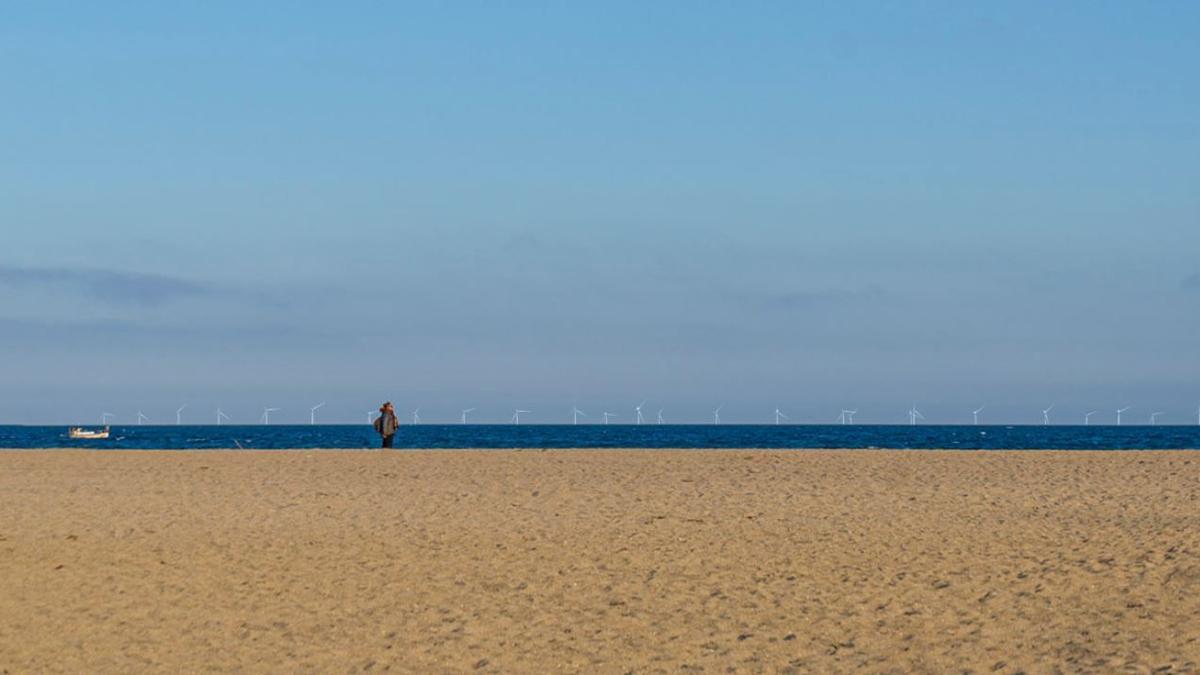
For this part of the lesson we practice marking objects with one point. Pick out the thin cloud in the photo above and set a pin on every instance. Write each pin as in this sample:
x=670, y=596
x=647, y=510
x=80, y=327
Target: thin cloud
x=832, y=297
x=524, y=241
x=1191, y=283
x=109, y=335
x=109, y=286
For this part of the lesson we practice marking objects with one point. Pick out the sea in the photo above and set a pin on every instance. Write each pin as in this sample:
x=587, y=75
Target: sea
x=262, y=437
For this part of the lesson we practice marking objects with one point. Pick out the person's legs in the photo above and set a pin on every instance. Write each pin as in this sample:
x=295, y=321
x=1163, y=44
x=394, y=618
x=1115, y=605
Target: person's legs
x=387, y=441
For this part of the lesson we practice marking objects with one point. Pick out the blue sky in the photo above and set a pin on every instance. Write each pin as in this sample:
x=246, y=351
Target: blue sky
x=809, y=205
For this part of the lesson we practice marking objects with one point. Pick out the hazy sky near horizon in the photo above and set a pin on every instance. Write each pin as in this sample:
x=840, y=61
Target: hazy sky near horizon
x=809, y=205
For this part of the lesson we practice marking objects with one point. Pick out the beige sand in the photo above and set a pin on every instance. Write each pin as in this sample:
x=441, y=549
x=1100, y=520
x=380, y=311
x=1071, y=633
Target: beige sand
x=613, y=561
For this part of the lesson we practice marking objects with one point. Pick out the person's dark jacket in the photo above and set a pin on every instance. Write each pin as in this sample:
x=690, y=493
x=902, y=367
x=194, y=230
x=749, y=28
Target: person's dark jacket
x=387, y=424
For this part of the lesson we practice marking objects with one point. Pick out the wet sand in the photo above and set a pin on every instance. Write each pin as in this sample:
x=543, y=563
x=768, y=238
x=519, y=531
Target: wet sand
x=599, y=561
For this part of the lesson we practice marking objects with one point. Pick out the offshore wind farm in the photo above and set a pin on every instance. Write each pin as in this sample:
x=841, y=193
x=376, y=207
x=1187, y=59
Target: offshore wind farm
x=575, y=416
x=481, y=427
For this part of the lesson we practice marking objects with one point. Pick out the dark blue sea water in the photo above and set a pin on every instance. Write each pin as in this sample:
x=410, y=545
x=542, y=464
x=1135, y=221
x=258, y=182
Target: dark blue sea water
x=621, y=436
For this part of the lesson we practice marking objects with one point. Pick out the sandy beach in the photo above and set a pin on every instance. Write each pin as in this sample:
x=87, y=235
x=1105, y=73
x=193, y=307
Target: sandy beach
x=599, y=561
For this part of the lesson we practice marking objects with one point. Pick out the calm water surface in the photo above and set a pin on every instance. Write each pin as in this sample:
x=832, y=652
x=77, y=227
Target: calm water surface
x=621, y=436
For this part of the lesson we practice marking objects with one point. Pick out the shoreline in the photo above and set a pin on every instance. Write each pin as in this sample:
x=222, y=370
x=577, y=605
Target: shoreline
x=617, y=448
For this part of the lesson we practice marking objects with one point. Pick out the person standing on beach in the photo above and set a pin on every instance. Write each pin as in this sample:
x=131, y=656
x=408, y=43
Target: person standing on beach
x=386, y=424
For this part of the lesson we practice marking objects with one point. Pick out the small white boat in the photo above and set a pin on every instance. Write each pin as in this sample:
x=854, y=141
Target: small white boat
x=88, y=434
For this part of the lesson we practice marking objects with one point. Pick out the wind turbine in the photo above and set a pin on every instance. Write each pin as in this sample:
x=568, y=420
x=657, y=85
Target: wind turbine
x=266, y=416
x=417, y=416
x=1119, y=411
x=638, y=410
x=778, y=416
x=575, y=414
x=847, y=417
x=1154, y=418
x=312, y=412
x=975, y=415
x=607, y=415
x=1046, y=415
x=371, y=415
x=464, y=414
x=104, y=418
x=142, y=418
x=516, y=418
x=659, y=419
x=914, y=415
x=717, y=414
x=1087, y=418
x=221, y=415
x=179, y=415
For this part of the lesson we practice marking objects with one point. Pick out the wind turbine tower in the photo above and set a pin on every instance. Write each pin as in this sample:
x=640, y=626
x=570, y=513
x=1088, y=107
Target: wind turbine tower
x=975, y=415
x=1154, y=418
x=516, y=418
x=779, y=415
x=1119, y=411
x=607, y=415
x=659, y=419
x=179, y=415
x=312, y=413
x=142, y=418
x=914, y=415
x=717, y=414
x=638, y=409
x=417, y=416
x=1087, y=418
x=1046, y=415
x=576, y=413
x=220, y=416
x=266, y=416
x=465, y=413
x=104, y=418
x=371, y=415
